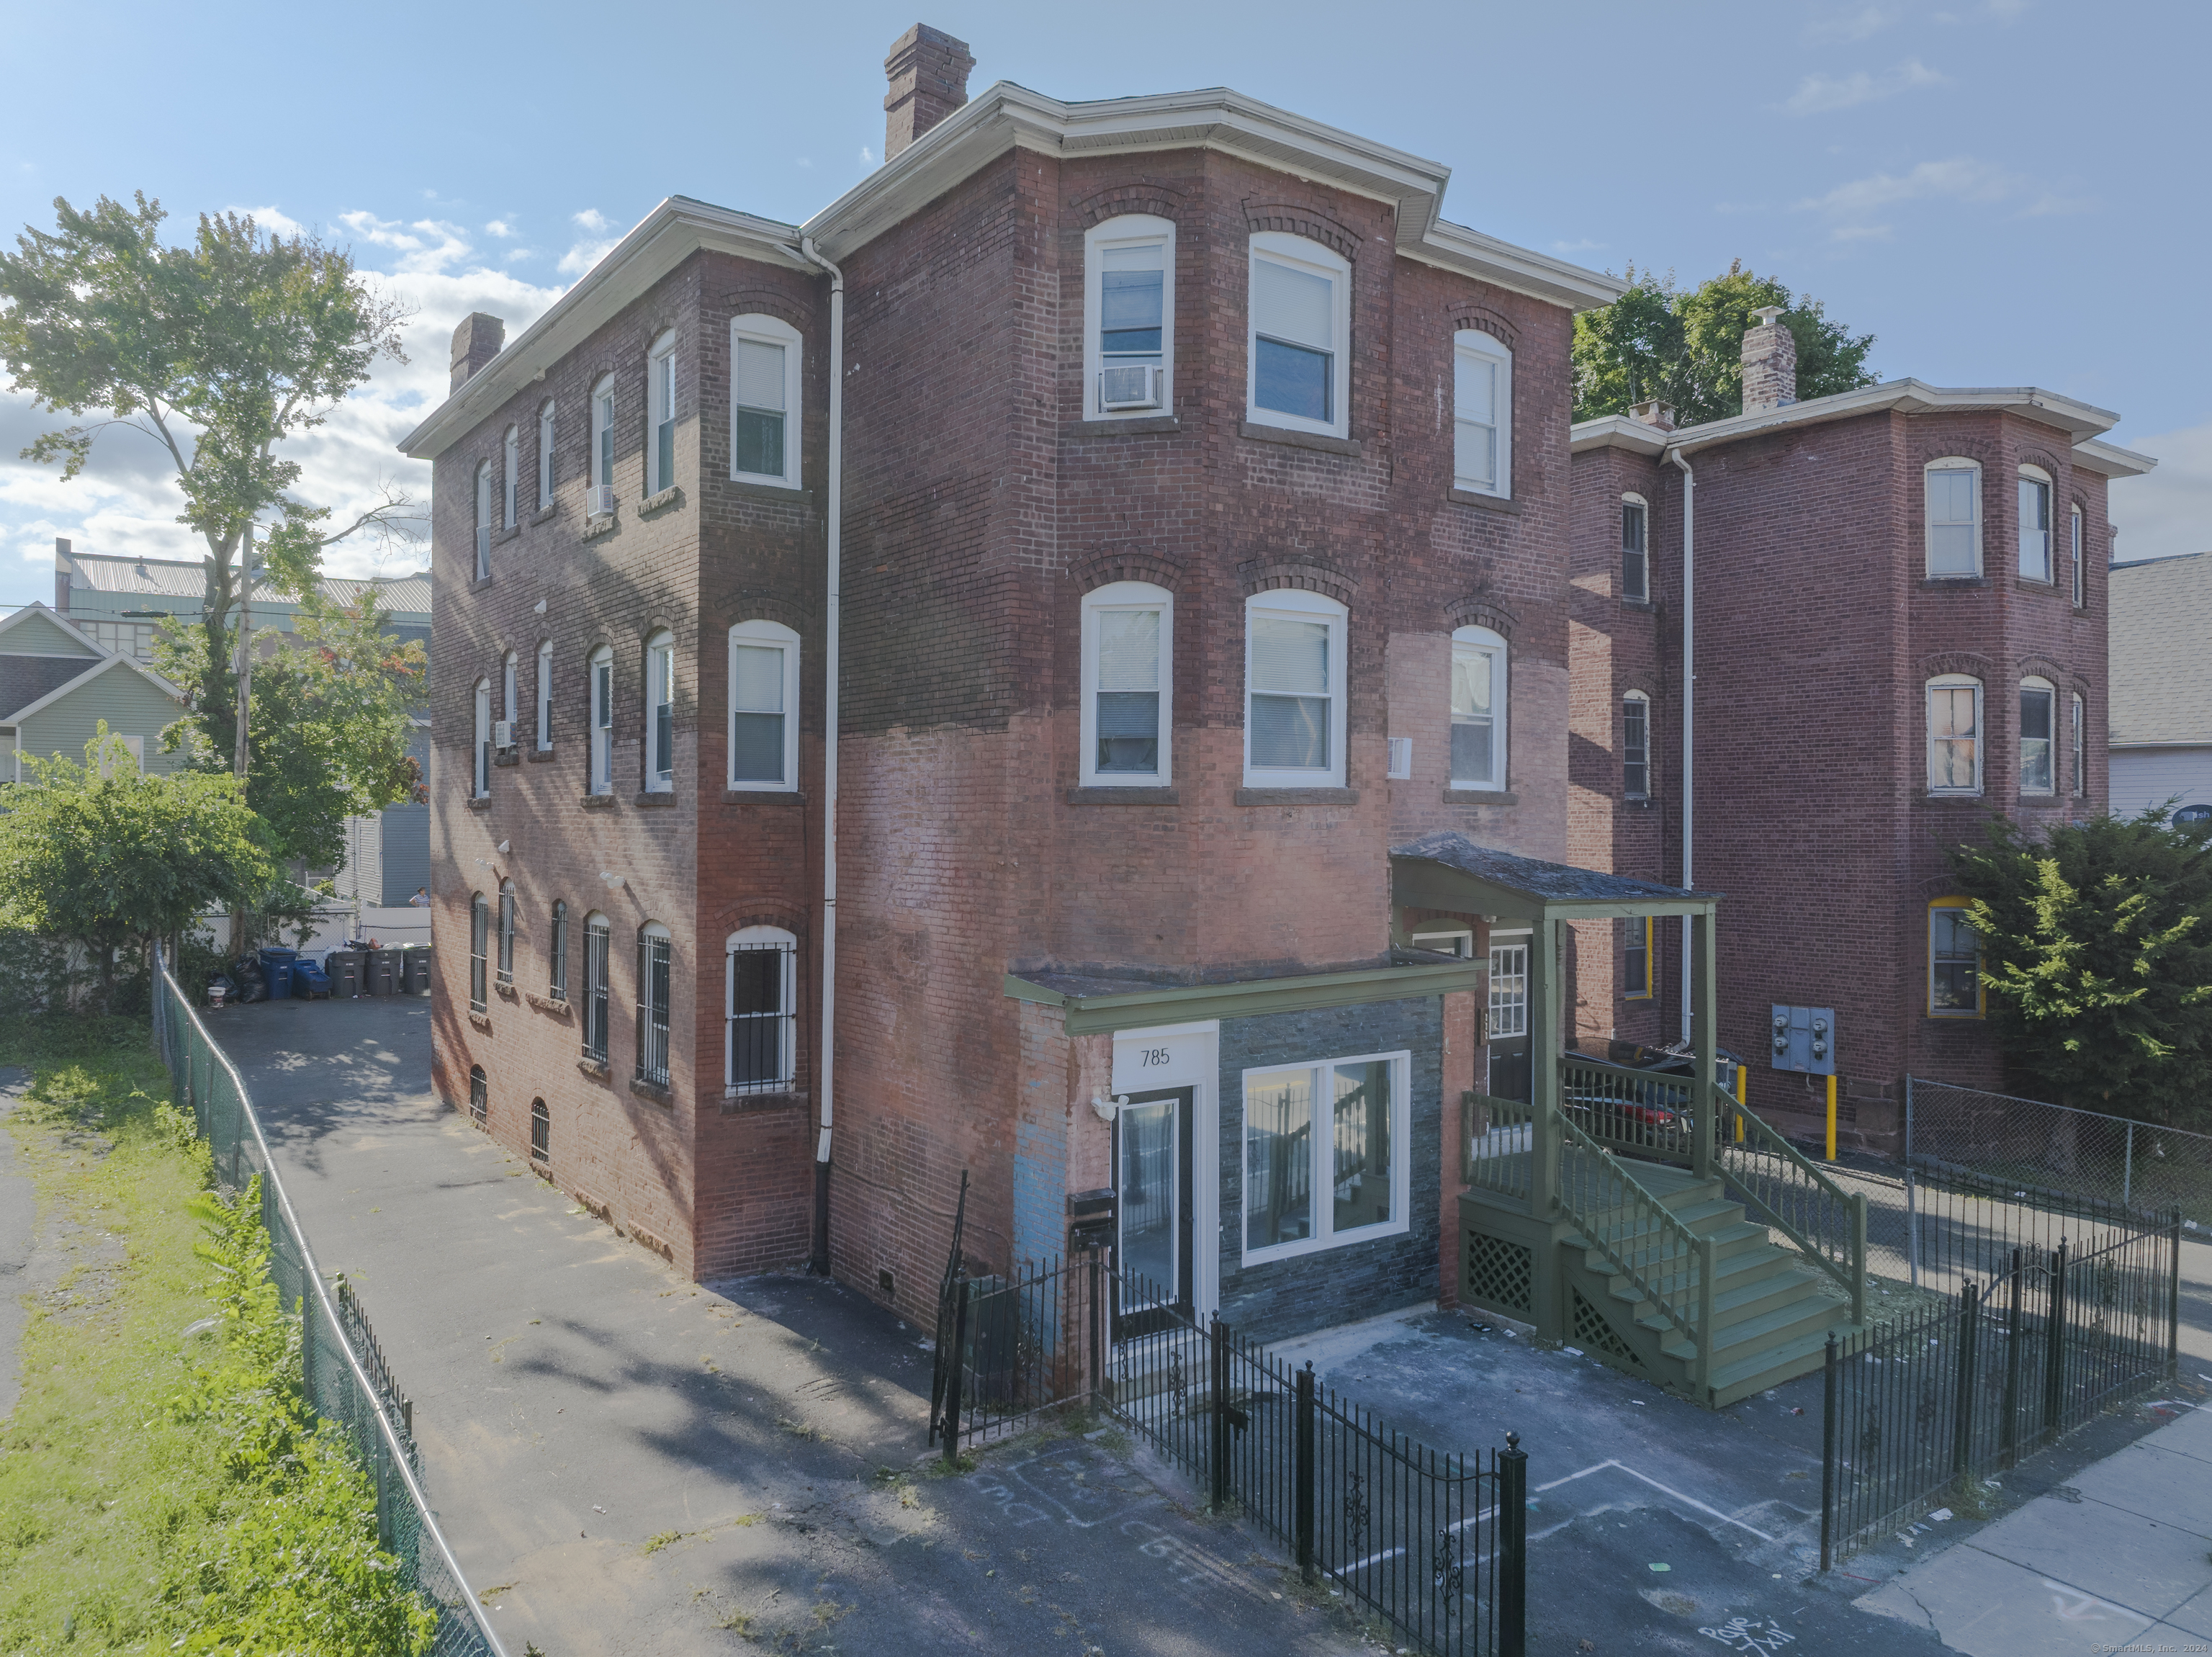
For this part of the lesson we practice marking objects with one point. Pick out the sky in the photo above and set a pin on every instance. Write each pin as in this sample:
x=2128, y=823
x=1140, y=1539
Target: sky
x=1987, y=187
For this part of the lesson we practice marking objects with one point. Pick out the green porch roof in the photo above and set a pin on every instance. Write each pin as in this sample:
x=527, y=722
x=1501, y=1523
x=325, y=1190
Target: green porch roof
x=1446, y=870
x=1096, y=1005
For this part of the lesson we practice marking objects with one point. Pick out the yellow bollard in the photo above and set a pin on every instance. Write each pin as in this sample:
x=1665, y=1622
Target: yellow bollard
x=1831, y=1118
x=1741, y=1071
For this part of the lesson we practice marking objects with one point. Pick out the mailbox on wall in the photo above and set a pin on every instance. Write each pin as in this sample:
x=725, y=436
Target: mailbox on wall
x=1804, y=1039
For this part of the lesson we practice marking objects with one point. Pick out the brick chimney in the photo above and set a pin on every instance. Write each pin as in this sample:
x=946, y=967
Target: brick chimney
x=475, y=342
x=1654, y=413
x=928, y=73
x=1770, y=364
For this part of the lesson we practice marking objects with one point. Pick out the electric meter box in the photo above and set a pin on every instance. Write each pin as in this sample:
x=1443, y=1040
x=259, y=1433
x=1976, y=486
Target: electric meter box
x=1803, y=1039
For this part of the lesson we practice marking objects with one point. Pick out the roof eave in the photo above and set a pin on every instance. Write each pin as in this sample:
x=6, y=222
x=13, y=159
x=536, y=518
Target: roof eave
x=2078, y=419
x=1618, y=431
x=2110, y=459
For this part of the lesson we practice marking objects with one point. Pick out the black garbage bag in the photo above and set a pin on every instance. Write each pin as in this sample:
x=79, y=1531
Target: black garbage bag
x=251, y=985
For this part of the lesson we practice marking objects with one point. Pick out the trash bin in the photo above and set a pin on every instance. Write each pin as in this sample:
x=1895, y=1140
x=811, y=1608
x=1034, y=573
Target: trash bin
x=309, y=980
x=344, y=967
x=379, y=972
x=277, y=970
x=415, y=969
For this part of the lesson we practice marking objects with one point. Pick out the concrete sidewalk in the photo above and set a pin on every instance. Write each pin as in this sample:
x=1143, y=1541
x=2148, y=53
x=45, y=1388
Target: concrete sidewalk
x=2119, y=1559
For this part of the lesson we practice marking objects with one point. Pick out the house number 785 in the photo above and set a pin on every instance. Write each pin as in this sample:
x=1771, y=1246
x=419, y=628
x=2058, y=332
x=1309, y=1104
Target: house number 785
x=1155, y=1056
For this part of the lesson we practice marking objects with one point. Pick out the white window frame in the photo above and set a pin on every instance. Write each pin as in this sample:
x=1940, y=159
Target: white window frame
x=1326, y=1235
x=2042, y=480
x=652, y=932
x=1467, y=641
x=659, y=658
x=787, y=1062
x=1301, y=253
x=1446, y=941
x=1473, y=343
x=1641, y=592
x=510, y=673
x=484, y=520
x=2078, y=740
x=480, y=761
x=1290, y=604
x=545, y=696
x=1124, y=597
x=1640, y=700
x=506, y=931
x=764, y=635
x=2035, y=686
x=511, y=485
x=770, y=331
x=660, y=395
x=598, y=1008
x=1507, y=1006
x=545, y=455
x=599, y=678
x=2080, y=542
x=1950, y=463
x=600, y=467
x=1953, y=682
x=1127, y=230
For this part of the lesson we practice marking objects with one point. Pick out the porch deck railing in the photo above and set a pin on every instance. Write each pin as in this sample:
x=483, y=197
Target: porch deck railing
x=1495, y=1139
x=1641, y=1112
x=1786, y=1191
x=1640, y=1237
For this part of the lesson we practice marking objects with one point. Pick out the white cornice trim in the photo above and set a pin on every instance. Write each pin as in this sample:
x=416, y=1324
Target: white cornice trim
x=1617, y=431
x=2080, y=421
x=2110, y=460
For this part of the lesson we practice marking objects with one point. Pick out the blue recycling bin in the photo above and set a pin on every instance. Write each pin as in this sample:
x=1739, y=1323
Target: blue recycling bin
x=309, y=981
x=276, y=969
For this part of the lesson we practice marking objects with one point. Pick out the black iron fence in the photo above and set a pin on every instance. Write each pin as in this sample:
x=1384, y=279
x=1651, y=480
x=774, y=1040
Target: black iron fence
x=1433, y=1543
x=1921, y=1405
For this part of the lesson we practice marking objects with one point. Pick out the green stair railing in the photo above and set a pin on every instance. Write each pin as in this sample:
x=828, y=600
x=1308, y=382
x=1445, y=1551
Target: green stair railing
x=1496, y=1142
x=1786, y=1190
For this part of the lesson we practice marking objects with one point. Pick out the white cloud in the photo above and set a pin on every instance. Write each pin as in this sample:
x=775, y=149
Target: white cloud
x=2007, y=11
x=272, y=220
x=1819, y=95
x=501, y=228
x=868, y=156
x=584, y=254
x=425, y=244
x=1852, y=208
x=591, y=219
x=1858, y=24
x=2169, y=511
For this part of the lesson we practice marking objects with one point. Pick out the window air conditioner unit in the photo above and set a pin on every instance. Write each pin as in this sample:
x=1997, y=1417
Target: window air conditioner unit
x=502, y=734
x=1130, y=387
x=602, y=499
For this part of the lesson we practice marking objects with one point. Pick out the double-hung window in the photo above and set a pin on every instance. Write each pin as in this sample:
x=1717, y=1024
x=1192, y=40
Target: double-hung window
x=1954, y=961
x=510, y=705
x=660, y=416
x=557, y=957
x=2038, y=749
x=507, y=932
x=1635, y=746
x=482, y=756
x=1128, y=631
x=545, y=457
x=544, y=696
x=602, y=490
x=1477, y=709
x=510, y=484
x=1324, y=1153
x=1955, y=518
x=2080, y=562
x=764, y=389
x=660, y=712
x=2079, y=730
x=1128, y=320
x=598, y=932
x=2034, y=524
x=1635, y=550
x=1636, y=957
x=1293, y=691
x=760, y=1044
x=600, y=675
x=764, y=706
x=480, y=947
x=653, y=979
x=1300, y=334
x=484, y=520
x=1954, y=734
x=1482, y=412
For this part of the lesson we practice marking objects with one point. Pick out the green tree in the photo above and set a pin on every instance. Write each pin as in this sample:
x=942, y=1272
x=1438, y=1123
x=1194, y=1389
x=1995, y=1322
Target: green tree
x=2097, y=952
x=1686, y=348
x=219, y=351
x=328, y=736
x=105, y=856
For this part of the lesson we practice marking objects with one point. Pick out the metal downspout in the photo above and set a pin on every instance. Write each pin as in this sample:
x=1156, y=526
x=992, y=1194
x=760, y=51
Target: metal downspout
x=1689, y=707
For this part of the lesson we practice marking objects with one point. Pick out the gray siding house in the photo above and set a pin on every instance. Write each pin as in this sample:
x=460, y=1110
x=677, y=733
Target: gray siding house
x=2161, y=668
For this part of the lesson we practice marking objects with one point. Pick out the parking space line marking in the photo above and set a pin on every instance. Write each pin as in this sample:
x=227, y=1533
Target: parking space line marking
x=1663, y=1489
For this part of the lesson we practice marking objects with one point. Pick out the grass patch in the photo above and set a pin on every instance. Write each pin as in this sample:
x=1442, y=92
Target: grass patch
x=159, y=1490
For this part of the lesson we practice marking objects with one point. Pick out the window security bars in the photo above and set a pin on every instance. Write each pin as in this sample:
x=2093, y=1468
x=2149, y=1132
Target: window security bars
x=479, y=926
x=653, y=973
x=507, y=934
x=541, y=1132
x=557, y=981
x=343, y=1376
x=596, y=938
x=479, y=1095
x=1436, y=1543
x=761, y=1020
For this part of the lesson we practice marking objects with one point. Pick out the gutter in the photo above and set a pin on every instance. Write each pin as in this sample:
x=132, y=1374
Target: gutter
x=819, y=1261
x=1689, y=705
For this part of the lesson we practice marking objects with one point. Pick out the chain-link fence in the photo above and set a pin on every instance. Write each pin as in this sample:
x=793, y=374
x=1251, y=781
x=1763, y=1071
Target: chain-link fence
x=2042, y=1150
x=343, y=1372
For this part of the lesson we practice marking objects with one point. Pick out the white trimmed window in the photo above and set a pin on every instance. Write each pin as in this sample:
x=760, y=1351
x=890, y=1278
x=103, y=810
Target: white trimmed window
x=1293, y=691
x=507, y=932
x=599, y=933
x=655, y=984
x=1299, y=335
x=1452, y=940
x=600, y=673
x=2035, y=524
x=484, y=520
x=2039, y=746
x=479, y=949
x=1636, y=746
x=545, y=697
x=1635, y=549
x=483, y=739
x=1477, y=709
x=764, y=706
x=1324, y=1153
x=512, y=483
x=1955, y=518
x=1482, y=413
x=660, y=414
x=556, y=955
x=1128, y=317
x=545, y=456
x=603, y=445
x=510, y=704
x=2081, y=561
x=1129, y=655
x=660, y=713
x=1954, y=734
x=760, y=1040
x=764, y=362
x=2078, y=729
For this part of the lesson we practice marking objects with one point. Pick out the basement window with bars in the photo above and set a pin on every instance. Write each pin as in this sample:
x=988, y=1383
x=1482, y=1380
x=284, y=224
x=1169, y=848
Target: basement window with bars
x=541, y=1132
x=479, y=944
x=1322, y=1157
x=760, y=1045
x=598, y=936
x=654, y=972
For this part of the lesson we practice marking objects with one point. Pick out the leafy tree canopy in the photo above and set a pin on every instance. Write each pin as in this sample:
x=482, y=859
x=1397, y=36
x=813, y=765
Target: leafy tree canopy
x=1687, y=348
x=2097, y=952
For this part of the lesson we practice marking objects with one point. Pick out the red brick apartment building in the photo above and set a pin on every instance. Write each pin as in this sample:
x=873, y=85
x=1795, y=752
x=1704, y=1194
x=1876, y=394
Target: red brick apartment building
x=1900, y=621
x=1198, y=502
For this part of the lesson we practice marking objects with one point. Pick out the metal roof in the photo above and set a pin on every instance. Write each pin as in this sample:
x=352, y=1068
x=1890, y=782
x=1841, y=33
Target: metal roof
x=182, y=578
x=2161, y=665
